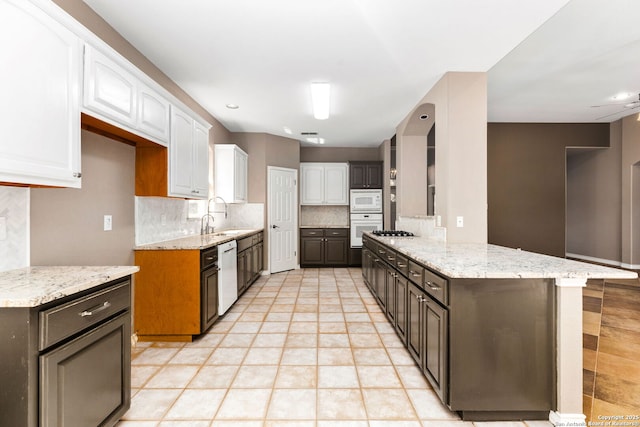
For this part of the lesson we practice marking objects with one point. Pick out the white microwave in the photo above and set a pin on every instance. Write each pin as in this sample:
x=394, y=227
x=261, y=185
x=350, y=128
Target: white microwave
x=367, y=201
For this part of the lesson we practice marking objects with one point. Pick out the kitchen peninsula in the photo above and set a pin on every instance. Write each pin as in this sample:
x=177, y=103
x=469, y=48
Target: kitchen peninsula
x=496, y=331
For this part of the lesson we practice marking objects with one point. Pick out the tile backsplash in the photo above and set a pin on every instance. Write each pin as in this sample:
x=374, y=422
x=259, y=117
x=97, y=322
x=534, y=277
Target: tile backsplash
x=424, y=226
x=321, y=216
x=14, y=227
x=159, y=218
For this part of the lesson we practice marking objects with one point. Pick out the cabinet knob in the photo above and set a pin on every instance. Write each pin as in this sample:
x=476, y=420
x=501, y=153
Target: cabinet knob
x=433, y=286
x=77, y=174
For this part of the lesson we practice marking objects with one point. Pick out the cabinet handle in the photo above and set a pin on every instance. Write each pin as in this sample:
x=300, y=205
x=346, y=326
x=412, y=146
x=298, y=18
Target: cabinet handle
x=313, y=233
x=95, y=309
x=391, y=258
x=414, y=273
x=401, y=265
x=229, y=250
x=419, y=298
x=433, y=286
x=381, y=251
x=209, y=258
x=335, y=233
x=77, y=174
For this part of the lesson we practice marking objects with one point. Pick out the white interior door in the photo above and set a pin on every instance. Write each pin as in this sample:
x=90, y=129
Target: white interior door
x=282, y=218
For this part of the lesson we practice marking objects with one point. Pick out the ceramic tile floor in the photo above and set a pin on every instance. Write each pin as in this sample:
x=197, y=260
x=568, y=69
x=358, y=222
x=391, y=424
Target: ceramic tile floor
x=305, y=348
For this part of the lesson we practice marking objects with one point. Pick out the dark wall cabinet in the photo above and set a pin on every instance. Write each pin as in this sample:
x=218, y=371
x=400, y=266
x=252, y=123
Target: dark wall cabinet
x=324, y=247
x=367, y=175
x=67, y=362
x=459, y=330
x=250, y=260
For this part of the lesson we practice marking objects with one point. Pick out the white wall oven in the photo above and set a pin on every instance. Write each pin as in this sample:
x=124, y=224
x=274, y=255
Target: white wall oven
x=366, y=201
x=361, y=223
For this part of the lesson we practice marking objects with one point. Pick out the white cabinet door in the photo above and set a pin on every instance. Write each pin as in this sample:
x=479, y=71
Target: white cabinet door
x=188, y=157
x=200, y=160
x=181, y=154
x=336, y=184
x=231, y=173
x=109, y=89
x=40, y=89
x=324, y=183
x=153, y=114
x=312, y=183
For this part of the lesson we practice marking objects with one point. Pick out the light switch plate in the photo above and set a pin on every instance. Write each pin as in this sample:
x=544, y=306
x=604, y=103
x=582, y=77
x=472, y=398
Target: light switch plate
x=3, y=228
x=108, y=223
x=459, y=221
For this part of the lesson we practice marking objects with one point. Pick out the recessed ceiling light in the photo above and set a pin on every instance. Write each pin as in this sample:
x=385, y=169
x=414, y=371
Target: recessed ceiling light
x=424, y=116
x=316, y=140
x=287, y=130
x=622, y=95
x=233, y=106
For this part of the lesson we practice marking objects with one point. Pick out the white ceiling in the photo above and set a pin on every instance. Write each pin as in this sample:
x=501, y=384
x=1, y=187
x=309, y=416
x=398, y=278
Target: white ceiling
x=382, y=57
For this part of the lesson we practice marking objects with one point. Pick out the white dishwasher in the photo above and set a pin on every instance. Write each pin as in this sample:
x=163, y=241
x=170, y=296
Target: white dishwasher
x=227, y=276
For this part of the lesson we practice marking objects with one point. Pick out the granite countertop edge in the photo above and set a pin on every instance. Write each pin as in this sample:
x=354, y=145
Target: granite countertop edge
x=487, y=261
x=197, y=241
x=37, y=285
x=325, y=226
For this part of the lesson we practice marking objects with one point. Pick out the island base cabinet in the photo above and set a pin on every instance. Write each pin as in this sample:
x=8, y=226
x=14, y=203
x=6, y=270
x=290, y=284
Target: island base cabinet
x=96, y=364
x=502, y=340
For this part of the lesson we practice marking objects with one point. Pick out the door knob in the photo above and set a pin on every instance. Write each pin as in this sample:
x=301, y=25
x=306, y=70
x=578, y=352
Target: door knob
x=274, y=226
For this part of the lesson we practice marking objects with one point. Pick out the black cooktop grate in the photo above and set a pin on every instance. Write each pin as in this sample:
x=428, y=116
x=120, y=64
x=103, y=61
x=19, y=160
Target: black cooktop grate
x=392, y=233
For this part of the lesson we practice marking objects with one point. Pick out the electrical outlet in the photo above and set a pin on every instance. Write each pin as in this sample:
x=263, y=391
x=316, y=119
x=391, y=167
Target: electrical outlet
x=3, y=228
x=108, y=223
x=459, y=221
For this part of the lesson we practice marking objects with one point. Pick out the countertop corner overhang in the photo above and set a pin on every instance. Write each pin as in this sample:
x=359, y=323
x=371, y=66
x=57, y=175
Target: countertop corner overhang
x=487, y=261
x=34, y=286
x=198, y=241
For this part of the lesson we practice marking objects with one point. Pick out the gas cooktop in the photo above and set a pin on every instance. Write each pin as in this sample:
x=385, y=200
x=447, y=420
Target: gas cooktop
x=392, y=233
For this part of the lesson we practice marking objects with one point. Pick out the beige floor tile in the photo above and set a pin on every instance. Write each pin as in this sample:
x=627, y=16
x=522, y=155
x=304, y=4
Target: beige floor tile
x=333, y=340
x=292, y=404
x=300, y=356
x=302, y=340
x=361, y=328
x=281, y=308
x=255, y=377
x=441, y=423
x=173, y=376
x=365, y=340
x=354, y=308
x=429, y=407
x=378, y=376
x=384, y=328
x=243, y=404
x=342, y=423
x=499, y=424
x=288, y=423
x=391, y=341
x=155, y=356
x=303, y=328
x=252, y=317
x=412, y=377
x=332, y=327
x=386, y=404
x=330, y=307
x=335, y=356
x=305, y=317
x=245, y=328
x=237, y=340
x=371, y=356
x=263, y=356
x=269, y=340
x=258, y=308
x=227, y=356
x=357, y=317
x=191, y=356
x=400, y=357
x=207, y=340
x=150, y=404
x=340, y=404
x=137, y=424
x=214, y=376
x=278, y=317
x=196, y=405
x=389, y=423
x=275, y=327
x=337, y=377
x=236, y=423
x=296, y=377
x=140, y=374
x=221, y=326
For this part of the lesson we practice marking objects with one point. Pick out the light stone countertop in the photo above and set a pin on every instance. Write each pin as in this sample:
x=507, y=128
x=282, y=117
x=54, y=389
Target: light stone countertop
x=325, y=226
x=475, y=260
x=33, y=286
x=198, y=241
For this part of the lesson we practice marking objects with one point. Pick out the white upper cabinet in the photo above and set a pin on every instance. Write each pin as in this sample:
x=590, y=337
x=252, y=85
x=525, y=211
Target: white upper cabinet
x=324, y=183
x=231, y=173
x=119, y=97
x=41, y=64
x=188, y=157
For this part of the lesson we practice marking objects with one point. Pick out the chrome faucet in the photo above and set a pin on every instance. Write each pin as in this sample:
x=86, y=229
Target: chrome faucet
x=205, y=227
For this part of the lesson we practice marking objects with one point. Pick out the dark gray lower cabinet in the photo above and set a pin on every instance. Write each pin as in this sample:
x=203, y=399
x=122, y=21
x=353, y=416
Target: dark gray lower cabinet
x=249, y=260
x=324, y=247
x=67, y=362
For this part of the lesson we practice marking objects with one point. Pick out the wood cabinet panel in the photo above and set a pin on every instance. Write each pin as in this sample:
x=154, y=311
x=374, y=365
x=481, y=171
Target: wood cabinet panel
x=324, y=247
x=365, y=175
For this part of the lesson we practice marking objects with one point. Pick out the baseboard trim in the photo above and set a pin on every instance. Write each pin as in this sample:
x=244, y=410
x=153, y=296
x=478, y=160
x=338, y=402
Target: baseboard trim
x=601, y=261
x=565, y=420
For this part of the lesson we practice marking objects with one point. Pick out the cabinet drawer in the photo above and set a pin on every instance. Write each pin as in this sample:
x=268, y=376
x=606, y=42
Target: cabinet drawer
x=58, y=323
x=336, y=232
x=380, y=251
x=402, y=264
x=311, y=232
x=436, y=286
x=244, y=244
x=390, y=256
x=416, y=272
x=208, y=257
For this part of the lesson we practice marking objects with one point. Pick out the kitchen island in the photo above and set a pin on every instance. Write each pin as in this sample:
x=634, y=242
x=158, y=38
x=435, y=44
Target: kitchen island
x=57, y=324
x=496, y=331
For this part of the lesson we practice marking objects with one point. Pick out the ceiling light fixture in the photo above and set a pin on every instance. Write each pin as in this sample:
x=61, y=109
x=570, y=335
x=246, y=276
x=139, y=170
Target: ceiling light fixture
x=622, y=95
x=316, y=140
x=320, y=98
x=287, y=130
x=232, y=106
x=424, y=117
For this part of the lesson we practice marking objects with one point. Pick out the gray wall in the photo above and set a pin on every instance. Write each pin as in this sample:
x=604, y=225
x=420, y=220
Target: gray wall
x=67, y=223
x=527, y=182
x=338, y=154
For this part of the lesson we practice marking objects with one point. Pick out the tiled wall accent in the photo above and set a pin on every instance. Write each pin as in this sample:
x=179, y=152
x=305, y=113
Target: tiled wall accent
x=324, y=216
x=160, y=218
x=611, y=344
x=424, y=226
x=14, y=208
